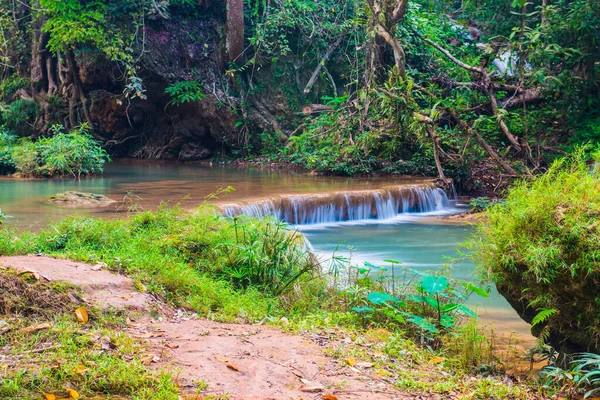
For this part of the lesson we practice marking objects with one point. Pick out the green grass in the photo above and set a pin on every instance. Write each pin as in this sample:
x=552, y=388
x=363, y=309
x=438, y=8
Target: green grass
x=68, y=354
x=227, y=269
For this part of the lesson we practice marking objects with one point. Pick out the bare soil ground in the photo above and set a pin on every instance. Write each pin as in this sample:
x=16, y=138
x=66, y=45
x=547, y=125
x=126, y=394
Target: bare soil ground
x=241, y=361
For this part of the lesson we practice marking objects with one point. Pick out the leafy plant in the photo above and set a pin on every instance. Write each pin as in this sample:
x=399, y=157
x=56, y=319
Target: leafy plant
x=583, y=376
x=542, y=242
x=74, y=153
x=185, y=92
x=433, y=304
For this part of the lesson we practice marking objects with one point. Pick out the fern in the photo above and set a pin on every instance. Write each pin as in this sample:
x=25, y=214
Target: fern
x=543, y=315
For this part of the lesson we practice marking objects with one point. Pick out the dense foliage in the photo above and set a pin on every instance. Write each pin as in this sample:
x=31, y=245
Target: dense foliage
x=75, y=153
x=481, y=88
x=541, y=247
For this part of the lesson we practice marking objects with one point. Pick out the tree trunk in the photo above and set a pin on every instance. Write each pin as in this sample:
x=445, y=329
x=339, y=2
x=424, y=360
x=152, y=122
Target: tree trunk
x=235, y=31
x=399, y=56
x=78, y=95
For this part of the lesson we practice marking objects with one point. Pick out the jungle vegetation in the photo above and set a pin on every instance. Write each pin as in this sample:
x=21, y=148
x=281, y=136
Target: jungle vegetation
x=475, y=90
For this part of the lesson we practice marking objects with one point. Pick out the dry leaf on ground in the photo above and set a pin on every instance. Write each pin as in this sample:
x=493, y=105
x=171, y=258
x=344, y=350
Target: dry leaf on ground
x=82, y=315
x=35, y=328
x=312, y=387
x=233, y=367
x=73, y=393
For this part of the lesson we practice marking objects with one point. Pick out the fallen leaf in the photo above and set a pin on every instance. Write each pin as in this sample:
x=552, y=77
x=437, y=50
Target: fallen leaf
x=29, y=274
x=73, y=393
x=107, y=344
x=221, y=359
x=329, y=397
x=437, y=360
x=35, y=328
x=312, y=388
x=172, y=346
x=82, y=315
x=80, y=369
x=351, y=361
x=233, y=367
x=149, y=359
x=49, y=396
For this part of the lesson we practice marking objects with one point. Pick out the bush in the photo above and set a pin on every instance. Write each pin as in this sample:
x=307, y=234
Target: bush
x=542, y=249
x=19, y=112
x=75, y=153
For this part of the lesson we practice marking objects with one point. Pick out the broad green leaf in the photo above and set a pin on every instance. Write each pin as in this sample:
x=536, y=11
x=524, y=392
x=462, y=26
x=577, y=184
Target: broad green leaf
x=423, y=323
x=467, y=311
x=434, y=284
x=432, y=302
x=447, y=308
x=393, y=261
x=381, y=298
x=372, y=266
x=475, y=289
x=447, y=321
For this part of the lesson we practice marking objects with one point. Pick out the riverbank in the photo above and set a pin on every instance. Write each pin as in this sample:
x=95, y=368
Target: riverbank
x=191, y=272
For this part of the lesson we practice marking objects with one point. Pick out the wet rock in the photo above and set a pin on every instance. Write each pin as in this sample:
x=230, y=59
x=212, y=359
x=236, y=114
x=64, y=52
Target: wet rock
x=194, y=152
x=80, y=199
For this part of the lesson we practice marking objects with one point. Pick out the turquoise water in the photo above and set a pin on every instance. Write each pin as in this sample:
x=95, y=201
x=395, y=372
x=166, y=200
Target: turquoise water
x=153, y=182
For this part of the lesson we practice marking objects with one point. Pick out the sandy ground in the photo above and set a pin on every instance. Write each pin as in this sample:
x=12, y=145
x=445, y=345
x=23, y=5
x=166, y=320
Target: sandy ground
x=242, y=361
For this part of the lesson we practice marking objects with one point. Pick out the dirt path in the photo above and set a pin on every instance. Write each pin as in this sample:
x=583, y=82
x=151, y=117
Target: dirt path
x=241, y=361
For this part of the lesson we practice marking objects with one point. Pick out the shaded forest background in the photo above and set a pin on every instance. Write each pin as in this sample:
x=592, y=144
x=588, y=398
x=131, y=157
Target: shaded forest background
x=480, y=91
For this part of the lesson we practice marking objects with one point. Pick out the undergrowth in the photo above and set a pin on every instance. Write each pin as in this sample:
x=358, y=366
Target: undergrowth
x=74, y=153
x=224, y=268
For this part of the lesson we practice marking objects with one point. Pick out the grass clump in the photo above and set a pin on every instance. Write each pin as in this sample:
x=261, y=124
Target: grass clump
x=542, y=248
x=74, y=153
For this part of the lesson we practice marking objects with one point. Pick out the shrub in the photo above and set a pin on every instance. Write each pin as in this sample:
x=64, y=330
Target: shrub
x=18, y=112
x=542, y=249
x=74, y=153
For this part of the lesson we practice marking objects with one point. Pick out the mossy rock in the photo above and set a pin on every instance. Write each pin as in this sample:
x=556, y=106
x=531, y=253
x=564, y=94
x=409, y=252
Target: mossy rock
x=80, y=199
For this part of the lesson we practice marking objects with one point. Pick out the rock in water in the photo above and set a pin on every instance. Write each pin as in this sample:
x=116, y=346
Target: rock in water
x=80, y=199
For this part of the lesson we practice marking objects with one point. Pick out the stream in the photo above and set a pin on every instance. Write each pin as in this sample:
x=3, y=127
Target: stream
x=365, y=219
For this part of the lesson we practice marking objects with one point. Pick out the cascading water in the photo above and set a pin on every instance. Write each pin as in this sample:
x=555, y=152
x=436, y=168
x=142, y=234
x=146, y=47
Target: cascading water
x=379, y=204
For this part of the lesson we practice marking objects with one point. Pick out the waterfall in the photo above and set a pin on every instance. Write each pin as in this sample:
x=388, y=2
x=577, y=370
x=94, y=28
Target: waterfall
x=378, y=204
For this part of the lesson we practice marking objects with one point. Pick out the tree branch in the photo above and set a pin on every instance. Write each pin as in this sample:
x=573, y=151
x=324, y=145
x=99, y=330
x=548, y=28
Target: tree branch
x=317, y=70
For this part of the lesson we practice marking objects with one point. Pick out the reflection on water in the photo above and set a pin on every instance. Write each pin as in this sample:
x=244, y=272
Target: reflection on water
x=418, y=246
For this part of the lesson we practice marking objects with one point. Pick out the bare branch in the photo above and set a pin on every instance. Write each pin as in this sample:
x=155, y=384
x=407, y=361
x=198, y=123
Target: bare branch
x=456, y=60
